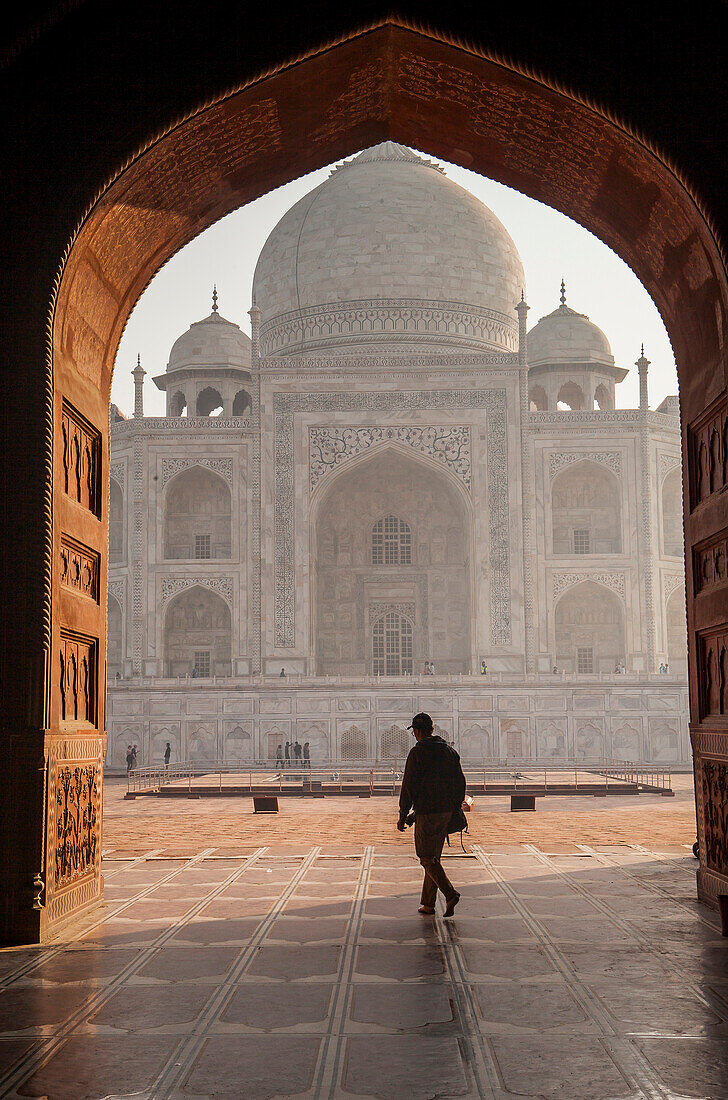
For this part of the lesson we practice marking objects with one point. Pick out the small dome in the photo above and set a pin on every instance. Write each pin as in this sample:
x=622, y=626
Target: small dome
x=566, y=336
x=388, y=253
x=209, y=344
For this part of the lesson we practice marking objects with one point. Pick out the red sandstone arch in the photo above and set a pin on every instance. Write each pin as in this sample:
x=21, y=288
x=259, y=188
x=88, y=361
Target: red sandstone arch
x=389, y=82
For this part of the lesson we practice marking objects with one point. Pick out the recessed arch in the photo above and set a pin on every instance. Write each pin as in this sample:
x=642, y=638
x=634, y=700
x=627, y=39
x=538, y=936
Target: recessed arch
x=114, y=649
x=197, y=515
x=116, y=522
x=672, y=513
x=197, y=637
x=676, y=632
x=537, y=399
x=209, y=402
x=571, y=397
x=586, y=510
x=589, y=629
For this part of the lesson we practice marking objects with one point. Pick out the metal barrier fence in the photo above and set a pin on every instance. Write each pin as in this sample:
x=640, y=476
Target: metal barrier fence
x=481, y=776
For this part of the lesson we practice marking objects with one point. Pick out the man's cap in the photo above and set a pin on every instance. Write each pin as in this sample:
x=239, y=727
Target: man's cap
x=421, y=721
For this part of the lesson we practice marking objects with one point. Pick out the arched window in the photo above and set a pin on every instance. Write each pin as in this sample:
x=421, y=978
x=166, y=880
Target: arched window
x=571, y=398
x=197, y=634
x=672, y=514
x=114, y=643
x=586, y=511
x=396, y=743
x=242, y=403
x=391, y=542
x=537, y=399
x=392, y=645
x=197, y=516
x=354, y=744
x=589, y=630
x=209, y=402
x=676, y=631
x=116, y=522
x=603, y=397
x=177, y=404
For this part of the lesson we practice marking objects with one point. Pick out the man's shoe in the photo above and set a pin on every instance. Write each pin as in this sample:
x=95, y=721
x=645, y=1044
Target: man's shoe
x=450, y=909
x=426, y=911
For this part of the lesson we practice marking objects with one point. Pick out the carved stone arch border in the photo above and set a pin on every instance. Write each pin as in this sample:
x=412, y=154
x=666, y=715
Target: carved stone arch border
x=561, y=460
x=172, y=586
x=171, y=467
x=614, y=582
x=492, y=401
x=332, y=447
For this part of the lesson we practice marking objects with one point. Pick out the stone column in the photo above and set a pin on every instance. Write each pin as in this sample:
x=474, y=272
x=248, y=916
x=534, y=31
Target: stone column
x=647, y=568
x=527, y=494
x=254, y=561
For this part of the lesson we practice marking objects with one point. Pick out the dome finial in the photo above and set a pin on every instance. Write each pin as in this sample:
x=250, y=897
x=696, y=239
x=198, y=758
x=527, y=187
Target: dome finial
x=214, y=298
x=563, y=293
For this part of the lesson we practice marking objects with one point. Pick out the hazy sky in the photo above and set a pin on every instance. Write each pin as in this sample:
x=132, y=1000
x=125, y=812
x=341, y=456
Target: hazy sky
x=552, y=246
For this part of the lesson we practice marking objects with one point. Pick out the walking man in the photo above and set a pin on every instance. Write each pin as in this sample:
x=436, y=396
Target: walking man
x=279, y=757
x=306, y=755
x=167, y=754
x=287, y=753
x=297, y=752
x=434, y=785
x=129, y=759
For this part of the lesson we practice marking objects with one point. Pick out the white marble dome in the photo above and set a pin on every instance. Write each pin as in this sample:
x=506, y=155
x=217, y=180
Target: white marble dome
x=568, y=337
x=211, y=343
x=387, y=256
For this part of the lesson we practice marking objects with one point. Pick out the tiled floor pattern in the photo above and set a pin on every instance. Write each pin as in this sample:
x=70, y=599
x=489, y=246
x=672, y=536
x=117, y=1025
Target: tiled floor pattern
x=584, y=974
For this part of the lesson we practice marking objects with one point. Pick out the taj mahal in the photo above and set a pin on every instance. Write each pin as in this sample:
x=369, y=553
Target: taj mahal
x=396, y=495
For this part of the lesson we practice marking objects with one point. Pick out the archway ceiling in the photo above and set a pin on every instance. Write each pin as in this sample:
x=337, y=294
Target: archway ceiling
x=399, y=84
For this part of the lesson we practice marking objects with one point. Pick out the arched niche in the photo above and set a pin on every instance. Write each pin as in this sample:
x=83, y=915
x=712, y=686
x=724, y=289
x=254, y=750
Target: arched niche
x=672, y=513
x=116, y=522
x=159, y=741
x=209, y=402
x=177, y=404
x=114, y=650
x=197, y=516
x=354, y=745
x=676, y=632
x=603, y=397
x=586, y=510
x=395, y=743
x=570, y=398
x=197, y=636
x=354, y=585
x=589, y=622
x=242, y=403
x=537, y=399
x=238, y=746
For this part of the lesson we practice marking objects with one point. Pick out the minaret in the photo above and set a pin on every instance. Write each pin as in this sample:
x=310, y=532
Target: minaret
x=138, y=376
x=214, y=298
x=563, y=293
x=254, y=314
x=522, y=309
x=642, y=364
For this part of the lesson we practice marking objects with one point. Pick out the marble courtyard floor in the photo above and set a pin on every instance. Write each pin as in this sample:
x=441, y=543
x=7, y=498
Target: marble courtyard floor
x=579, y=969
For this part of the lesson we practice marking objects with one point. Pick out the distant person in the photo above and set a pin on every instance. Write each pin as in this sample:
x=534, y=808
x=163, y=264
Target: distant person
x=306, y=755
x=279, y=756
x=297, y=752
x=118, y=676
x=432, y=668
x=129, y=759
x=282, y=672
x=194, y=672
x=287, y=754
x=134, y=760
x=434, y=786
x=483, y=668
x=426, y=669
x=167, y=754
x=555, y=670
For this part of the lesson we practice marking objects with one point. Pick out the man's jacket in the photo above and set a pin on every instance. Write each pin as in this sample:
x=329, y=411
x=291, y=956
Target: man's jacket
x=433, y=780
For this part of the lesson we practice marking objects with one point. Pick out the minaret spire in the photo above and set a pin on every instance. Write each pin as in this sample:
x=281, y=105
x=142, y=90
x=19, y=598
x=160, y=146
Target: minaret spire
x=214, y=298
x=563, y=293
x=642, y=364
x=138, y=375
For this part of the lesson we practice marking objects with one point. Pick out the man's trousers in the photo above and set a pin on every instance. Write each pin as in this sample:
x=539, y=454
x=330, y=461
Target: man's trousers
x=429, y=841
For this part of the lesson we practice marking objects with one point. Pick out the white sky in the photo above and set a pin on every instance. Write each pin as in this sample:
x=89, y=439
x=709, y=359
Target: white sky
x=552, y=246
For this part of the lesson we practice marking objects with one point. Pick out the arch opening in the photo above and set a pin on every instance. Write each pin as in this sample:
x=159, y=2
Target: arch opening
x=672, y=514
x=209, y=402
x=586, y=511
x=570, y=398
x=116, y=523
x=242, y=403
x=197, y=516
x=590, y=636
x=114, y=652
x=197, y=636
x=537, y=399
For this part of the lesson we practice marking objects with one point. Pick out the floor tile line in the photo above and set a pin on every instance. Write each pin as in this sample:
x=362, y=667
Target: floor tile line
x=483, y=1066
x=326, y=1074
x=47, y=1048
x=109, y=913
x=651, y=887
x=670, y=967
x=182, y=1057
x=666, y=859
x=634, y=1067
x=132, y=862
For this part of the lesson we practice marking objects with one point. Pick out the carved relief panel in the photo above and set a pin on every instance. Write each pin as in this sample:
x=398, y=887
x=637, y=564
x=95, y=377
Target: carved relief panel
x=80, y=567
x=710, y=562
x=708, y=453
x=76, y=822
x=81, y=459
x=77, y=677
x=715, y=805
x=713, y=673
